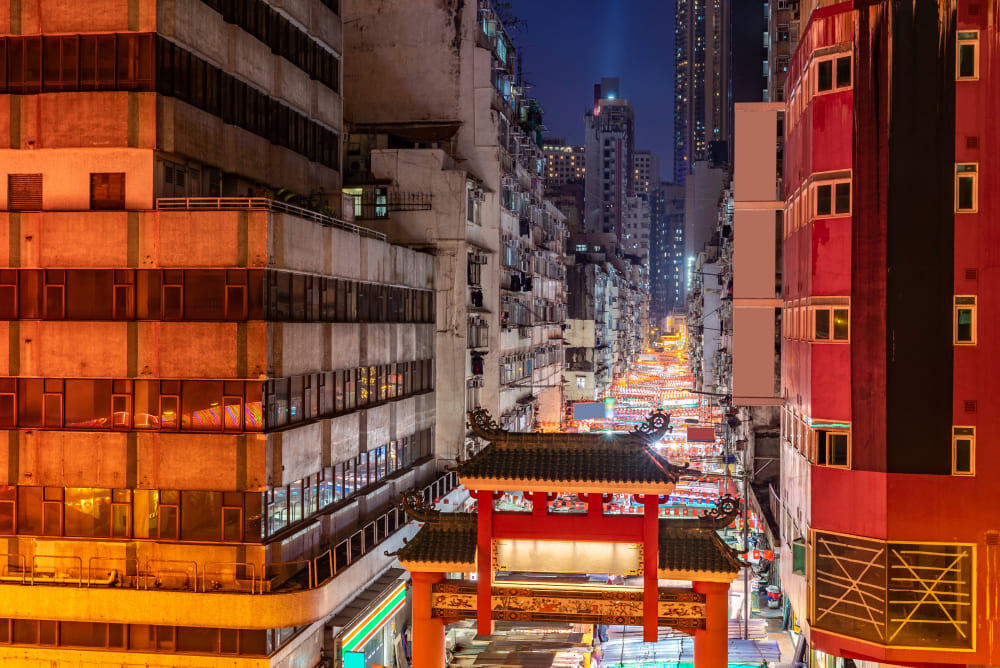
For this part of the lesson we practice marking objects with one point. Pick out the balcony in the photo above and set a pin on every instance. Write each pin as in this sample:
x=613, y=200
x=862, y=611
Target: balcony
x=174, y=592
x=261, y=203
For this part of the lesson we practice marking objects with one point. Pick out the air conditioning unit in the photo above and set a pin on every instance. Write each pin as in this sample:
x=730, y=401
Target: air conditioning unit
x=524, y=332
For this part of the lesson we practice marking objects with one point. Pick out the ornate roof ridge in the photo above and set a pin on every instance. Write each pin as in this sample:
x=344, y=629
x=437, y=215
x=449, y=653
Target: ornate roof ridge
x=656, y=426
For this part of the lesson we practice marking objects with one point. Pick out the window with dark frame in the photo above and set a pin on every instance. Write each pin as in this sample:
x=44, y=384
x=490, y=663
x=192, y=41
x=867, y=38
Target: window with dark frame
x=107, y=191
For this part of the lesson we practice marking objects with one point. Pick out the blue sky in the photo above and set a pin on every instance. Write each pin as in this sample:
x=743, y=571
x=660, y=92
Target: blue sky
x=569, y=45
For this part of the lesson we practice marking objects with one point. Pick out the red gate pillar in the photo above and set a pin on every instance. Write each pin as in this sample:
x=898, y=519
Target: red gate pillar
x=711, y=645
x=484, y=562
x=651, y=563
x=428, y=631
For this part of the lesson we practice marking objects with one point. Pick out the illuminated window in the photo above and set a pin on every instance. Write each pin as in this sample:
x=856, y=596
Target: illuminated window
x=965, y=320
x=967, y=58
x=966, y=188
x=831, y=323
x=963, y=451
x=581, y=382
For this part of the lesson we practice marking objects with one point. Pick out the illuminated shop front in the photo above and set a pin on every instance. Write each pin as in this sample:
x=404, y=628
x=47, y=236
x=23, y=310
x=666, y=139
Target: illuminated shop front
x=372, y=634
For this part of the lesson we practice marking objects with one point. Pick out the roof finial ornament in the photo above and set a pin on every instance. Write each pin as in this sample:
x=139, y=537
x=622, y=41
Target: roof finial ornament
x=655, y=427
x=483, y=424
x=725, y=511
x=413, y=504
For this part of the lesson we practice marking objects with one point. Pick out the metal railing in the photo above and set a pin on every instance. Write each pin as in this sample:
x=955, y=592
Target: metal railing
x=239, y=203
x=189, y=575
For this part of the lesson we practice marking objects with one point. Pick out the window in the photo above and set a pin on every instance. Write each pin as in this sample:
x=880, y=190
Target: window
x=581, y=382
x=799, y=556
x=107, y=191
x=24, y=192
x=833, y=74
x=967, y=58
x=963, y=451
x=966, y=188
x=832, y=448
x=831, y=323
x=965, y=319
x=833, y=198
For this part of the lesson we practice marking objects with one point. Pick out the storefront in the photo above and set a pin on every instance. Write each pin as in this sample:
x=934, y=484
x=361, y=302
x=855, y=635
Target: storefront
x=372, y=636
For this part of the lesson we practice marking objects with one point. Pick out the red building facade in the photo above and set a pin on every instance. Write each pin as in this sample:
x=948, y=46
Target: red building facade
x=890, y=174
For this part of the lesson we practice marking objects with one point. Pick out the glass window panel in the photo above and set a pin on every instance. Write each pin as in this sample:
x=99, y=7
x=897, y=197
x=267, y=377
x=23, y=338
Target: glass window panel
x=205, y=294
x=252, y=504
x=141, y=636
x=253, y=411
x=842, y=198
x=168, y=523
x=146, y=506
x=26, y=631
x=202, y=405
x=201, y=514
x=966, y=192
x=310, y=495
x=52, y=518
x=88, y=403
x=232, y=413
x=963, y=455
x=87, y=511
x=232, y=524
x=837, y=447
x=824, y=71
x=147, y=404
x=89, y=295
x=83, y=634
x=295, y=501
x=29, y=510
x=116, y=635
x=326, y=487
x=966, y=60
x=843, y=72
x=964, y=330
x=823, y=200
x=228, y=641
x=253, y=643
x=822, y=324
x=349, y=478
x=169, y=412
x=120, y=521
x=841, y=324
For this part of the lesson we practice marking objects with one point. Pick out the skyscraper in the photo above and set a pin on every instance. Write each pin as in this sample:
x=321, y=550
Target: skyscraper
x=563, y=163
x=646, y=171
x=702, y=105
x=666, y=258
x=610, y=157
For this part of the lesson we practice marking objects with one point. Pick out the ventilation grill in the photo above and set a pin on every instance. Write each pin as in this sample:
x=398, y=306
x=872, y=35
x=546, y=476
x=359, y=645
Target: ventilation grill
x=24, y=192
x=973, y=10
x=972, y=274
x=993, y=537
x=970, y=406
x=972, y=142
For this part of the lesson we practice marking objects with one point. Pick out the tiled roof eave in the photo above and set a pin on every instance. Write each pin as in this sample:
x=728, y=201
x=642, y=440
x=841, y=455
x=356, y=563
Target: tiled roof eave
x=598, y=486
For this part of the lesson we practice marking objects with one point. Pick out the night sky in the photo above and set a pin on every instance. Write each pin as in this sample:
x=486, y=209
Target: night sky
x=569, y=45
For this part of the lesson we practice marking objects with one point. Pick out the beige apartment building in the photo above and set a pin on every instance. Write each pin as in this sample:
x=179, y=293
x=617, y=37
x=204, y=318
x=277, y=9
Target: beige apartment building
x=213, y=386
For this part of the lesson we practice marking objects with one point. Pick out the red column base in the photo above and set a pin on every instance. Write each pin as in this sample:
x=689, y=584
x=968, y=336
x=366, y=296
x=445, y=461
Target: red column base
x=428, y=632
x=711, y=644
